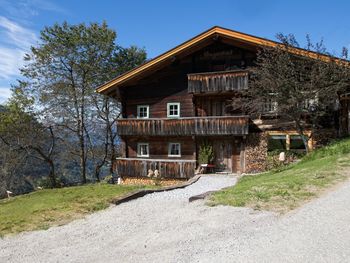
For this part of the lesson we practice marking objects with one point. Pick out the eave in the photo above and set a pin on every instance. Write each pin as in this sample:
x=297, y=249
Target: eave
x=219, y=31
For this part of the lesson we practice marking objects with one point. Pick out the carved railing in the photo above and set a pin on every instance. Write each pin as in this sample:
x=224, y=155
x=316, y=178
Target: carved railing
x=137, y=167
x=205, y=126
x=214, y=82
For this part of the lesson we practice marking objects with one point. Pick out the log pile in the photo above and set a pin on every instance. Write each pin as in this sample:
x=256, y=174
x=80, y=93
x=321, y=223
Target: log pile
x=256, y=152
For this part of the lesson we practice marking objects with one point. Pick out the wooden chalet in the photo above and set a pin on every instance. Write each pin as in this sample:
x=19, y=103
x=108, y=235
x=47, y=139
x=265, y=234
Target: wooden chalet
x=177, y=101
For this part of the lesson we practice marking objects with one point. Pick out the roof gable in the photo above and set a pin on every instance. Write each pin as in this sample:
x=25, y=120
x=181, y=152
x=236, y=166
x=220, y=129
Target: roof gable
x=211, y=33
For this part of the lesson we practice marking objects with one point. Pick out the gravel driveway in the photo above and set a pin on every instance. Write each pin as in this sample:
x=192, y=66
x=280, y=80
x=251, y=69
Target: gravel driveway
x=164, y=227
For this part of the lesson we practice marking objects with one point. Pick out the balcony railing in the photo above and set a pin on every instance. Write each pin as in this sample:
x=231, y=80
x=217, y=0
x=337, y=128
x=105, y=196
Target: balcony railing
x=201, y=126
x=214, y=82
x=136, y=167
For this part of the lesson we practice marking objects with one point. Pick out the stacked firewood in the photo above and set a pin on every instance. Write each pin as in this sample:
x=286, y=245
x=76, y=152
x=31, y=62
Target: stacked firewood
x=256, y=152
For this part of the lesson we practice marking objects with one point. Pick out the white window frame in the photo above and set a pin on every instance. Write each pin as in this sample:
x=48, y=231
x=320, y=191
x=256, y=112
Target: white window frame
x=139, y=149
x=169, y=149
x=178, y=109
x=138, y=111
x=270, y=105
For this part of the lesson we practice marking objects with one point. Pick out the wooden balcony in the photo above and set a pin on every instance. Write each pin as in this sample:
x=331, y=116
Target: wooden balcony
x=137, y=167
x=200, y=126
x=214, y=82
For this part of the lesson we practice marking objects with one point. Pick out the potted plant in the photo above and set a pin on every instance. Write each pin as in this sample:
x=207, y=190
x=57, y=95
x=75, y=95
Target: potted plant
x=206, y=154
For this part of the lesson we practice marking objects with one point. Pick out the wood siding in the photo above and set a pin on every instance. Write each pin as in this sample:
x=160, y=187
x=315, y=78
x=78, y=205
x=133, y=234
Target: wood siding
x=158, y=147
x=227, y=152
x=213, y=105
x=214, y=82
x=204, y=126
x=136, y=167
x=158, y=105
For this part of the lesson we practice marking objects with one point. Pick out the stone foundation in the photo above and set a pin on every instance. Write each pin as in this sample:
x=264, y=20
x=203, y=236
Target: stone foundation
x=150, y=181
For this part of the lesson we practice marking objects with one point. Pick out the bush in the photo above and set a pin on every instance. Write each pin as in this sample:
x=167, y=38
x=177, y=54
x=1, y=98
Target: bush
x=206, y=154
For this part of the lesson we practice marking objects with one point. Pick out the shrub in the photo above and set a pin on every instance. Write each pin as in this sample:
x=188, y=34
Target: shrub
x=206, y=154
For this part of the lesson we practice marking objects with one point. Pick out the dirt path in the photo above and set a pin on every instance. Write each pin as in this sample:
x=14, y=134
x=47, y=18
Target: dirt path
x=164, y=227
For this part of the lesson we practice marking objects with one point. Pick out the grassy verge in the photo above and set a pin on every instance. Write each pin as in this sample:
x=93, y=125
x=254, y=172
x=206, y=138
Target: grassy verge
x=281, y=191
x=45, y=208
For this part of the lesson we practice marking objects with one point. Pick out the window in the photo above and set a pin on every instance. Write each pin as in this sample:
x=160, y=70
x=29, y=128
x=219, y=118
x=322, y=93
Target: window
x=173, y=110
x=142, y=111
x=283, y=142
x=174, y=150
x=296, y=142
x=269, y=105
x=142, y=150
x=276, y=142
x=309, y=104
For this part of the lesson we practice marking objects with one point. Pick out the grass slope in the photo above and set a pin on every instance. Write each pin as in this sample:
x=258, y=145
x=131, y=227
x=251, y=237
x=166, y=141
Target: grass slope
x=281, y=191
x=45, y=208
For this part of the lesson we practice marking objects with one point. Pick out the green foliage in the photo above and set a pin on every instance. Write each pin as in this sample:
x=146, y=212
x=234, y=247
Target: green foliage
x=285, y=189
x=58, y=86
x=206, y=153
x=337, y=147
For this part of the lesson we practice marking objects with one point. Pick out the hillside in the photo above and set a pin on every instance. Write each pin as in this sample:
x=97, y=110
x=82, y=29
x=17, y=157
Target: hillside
x=286, y=189
x=45, y=208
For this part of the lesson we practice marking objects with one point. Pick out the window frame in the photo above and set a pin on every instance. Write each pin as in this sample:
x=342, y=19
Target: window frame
x=169, y=149
x=139, y=144
x=178, y=104
x=270, y=105
x=138, y=111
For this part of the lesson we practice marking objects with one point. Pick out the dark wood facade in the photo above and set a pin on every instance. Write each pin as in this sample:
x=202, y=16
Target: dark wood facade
x=202, y=83
x=168, y=168
x=202, y=78
x=187, y=126
x=216, y=82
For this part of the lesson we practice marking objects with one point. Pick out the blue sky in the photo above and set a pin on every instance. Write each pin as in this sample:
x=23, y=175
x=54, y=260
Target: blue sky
x=160, y=25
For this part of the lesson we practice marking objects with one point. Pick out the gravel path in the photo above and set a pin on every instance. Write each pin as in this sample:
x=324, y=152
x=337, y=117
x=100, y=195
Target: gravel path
x=164, y=227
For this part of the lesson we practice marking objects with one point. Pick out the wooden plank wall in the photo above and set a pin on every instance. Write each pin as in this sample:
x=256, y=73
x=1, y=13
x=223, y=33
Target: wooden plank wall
x=158, y=105
x=158, y=147
x=220, y=125
x=232, y=155
x=170, y=83
x=223, y=81
x=213, y=105
x=181, y=169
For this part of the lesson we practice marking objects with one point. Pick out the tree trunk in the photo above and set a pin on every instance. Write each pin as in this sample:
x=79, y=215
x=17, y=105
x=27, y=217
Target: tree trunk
x=82, y=158
x=97, y=172
x=301, y=133
x=52, y=174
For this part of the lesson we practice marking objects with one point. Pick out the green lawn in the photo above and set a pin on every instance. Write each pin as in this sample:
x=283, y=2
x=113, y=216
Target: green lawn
x=281, y=191
x=45, y=208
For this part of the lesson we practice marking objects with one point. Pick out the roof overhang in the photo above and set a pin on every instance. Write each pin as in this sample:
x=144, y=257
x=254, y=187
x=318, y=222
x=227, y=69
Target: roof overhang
x=211, y=33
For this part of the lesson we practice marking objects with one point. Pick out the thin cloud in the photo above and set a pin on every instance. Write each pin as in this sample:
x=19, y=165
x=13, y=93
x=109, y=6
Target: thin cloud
x=10, y=62
x=4, y=94
x=14, y=34
x=25, y=9
x=15, y=42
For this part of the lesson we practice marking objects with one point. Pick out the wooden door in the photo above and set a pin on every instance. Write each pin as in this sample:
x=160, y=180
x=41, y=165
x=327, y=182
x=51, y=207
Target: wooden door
x=227, y=155
x=223, y=155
